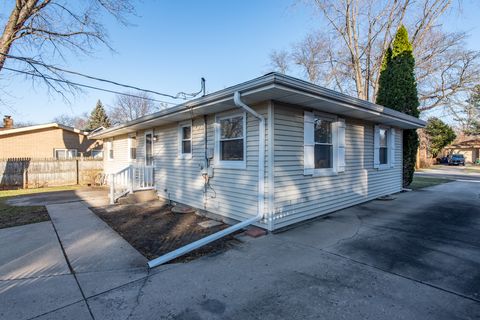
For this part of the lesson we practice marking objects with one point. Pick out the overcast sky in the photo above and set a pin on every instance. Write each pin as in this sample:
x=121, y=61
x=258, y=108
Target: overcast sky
x=172, y=44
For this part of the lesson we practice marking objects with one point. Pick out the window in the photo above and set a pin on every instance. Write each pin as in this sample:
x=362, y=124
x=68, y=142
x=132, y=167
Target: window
x=324, y=144
x=148, y=148
x=384, y=147
x=97, y=154
x=132, y=147
x=230, y=141
x=110, y=149
x=185, y=140
x=383, y=152
x=65, y=153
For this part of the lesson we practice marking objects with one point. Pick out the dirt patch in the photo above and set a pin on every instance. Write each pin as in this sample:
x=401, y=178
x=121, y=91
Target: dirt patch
x=11, y=216
x=154, y=230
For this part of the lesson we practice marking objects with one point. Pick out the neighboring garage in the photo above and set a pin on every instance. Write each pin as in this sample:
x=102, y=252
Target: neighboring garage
x=470, y=148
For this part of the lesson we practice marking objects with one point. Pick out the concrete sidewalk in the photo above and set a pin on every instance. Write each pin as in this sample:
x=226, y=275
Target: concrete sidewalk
x=48, y=270
x=100, y=257
x=34, y=276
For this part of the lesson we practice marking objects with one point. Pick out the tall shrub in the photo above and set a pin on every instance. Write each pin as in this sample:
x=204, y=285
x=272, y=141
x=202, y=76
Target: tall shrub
x=398, y=91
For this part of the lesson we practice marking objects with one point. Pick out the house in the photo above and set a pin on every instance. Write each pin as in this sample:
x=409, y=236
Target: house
x=275, y=147
x=469, y=146
x=51, y=140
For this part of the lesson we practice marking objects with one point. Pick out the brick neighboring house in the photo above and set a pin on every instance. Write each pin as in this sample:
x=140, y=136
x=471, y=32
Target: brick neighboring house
x=51, y=140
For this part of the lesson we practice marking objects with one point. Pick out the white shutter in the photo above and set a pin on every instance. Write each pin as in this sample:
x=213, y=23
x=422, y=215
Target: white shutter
x=179, y=142
x=341, y=145
x=392, y=147
x=376, y=147
x=308, y=143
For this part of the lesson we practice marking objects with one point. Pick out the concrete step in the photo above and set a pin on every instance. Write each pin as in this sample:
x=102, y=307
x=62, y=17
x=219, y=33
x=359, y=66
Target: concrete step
x=138, y=197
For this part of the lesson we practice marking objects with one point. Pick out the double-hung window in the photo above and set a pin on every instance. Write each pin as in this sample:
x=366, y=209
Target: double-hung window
x=132, y=147
x=384, y=147
x=324, y=144
x=110, y=149
x=185, y=140
x=230, y=148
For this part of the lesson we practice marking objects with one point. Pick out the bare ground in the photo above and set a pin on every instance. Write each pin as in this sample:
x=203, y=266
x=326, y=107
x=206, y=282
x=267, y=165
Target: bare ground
x=153, y=229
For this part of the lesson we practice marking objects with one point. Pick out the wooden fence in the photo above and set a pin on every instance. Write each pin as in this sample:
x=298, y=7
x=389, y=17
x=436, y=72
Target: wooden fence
x=36, y=173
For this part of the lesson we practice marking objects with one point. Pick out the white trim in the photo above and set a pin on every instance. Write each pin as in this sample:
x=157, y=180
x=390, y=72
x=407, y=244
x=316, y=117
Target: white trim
x=230, y=164
x=341, y=128
x=145, y=147
x=271, y=164
x=391, y=152
x=376, y=161
x=180, y=139
x=310, y=136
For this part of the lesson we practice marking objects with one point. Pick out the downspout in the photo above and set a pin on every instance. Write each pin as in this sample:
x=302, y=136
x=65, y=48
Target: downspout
x=261, y=196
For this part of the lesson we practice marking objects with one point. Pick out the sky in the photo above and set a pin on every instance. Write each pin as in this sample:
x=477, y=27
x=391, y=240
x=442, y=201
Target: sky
x=170, y=45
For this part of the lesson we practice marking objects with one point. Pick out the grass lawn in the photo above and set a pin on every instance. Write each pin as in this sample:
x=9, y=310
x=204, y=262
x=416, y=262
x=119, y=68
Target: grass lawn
x=11, y=216
x=473, y=169
x=423, y=182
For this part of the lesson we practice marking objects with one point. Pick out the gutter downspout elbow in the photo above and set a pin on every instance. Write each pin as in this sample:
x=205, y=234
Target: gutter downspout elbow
x=261, y=152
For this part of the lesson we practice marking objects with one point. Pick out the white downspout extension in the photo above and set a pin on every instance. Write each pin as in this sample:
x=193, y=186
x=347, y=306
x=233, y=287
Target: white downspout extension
x=261, y=196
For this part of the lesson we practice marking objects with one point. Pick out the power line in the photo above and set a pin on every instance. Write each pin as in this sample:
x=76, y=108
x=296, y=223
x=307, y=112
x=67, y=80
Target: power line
x=85, y=85
x=180, y=95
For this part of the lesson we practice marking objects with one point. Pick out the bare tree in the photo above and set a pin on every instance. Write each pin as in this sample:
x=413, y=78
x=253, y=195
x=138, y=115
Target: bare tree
x=131, y=107
x=79, y=122
x=43, y=30
x=347, y=54
x=280, y=60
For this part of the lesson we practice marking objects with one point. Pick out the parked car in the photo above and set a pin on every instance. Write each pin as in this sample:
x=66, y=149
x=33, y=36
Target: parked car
x=456, y=159
x=443, y=160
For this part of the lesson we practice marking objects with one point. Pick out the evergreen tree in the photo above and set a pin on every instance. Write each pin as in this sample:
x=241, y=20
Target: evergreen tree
x=398, y=91
x=98, y=118
x=439, y=135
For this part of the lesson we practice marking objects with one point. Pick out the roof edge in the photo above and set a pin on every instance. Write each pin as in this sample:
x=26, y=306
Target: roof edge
x=42, y=126
x=265, y=80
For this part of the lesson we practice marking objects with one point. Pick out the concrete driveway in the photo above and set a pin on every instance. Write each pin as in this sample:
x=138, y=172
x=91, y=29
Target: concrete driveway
x=415, y=257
